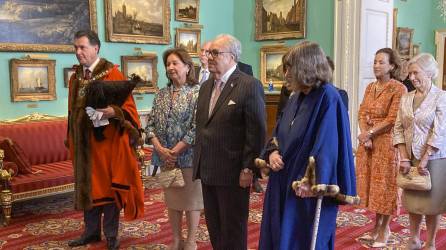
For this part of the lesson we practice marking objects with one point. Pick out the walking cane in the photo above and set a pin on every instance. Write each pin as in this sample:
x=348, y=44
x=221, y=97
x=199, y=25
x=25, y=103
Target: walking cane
x=310, y=178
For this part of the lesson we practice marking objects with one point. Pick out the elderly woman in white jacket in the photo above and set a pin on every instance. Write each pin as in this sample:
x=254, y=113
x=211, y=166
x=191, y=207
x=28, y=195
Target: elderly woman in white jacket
x=420, y=135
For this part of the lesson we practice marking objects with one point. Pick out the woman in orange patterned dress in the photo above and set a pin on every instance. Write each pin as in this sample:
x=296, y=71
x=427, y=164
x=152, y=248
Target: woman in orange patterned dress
x=376, y=158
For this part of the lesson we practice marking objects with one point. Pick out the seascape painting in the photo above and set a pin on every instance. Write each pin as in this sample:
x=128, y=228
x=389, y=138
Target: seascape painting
x=145, y=67
x=43, y=25
x=33, y=79
x=142, y=69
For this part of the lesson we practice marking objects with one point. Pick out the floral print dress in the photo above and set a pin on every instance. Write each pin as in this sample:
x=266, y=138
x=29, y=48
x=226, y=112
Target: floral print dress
x=173, y=120
x=376, y=168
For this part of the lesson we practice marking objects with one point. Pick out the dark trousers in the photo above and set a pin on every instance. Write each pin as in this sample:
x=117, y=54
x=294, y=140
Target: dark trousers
x=226, y=209
x=92, y=220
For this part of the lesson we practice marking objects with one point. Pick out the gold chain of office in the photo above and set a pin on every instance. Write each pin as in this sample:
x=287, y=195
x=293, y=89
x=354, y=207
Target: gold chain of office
x=84, y=83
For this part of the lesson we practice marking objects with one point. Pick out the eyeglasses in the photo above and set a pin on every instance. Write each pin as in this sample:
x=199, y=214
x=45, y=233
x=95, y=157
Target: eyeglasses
x=215, y=53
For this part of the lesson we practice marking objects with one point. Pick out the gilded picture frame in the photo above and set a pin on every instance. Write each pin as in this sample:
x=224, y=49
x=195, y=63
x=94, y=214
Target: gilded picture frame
x=280, y=19
x=189, y=39
x=137, y=21
x=67, y=73
x=144, y=66
x=271, y=68
x=44, y=26
x=187, y=10
x=404, y=42
x=395, y=27
x=32, y=80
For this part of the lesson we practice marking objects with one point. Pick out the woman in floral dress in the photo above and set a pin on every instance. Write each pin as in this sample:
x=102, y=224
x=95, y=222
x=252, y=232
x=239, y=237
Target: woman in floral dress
x=376, y=158
x=171, y=130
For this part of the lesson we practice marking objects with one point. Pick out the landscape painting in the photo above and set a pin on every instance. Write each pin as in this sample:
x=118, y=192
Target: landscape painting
x=280, y=19
x=271, y=69
x=44, y=25
x=189, y=39
x=138, y=21
x=187, y=10
x=32, y=80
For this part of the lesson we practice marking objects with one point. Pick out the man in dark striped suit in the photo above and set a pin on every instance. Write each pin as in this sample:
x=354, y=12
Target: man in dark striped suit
x=230, y=132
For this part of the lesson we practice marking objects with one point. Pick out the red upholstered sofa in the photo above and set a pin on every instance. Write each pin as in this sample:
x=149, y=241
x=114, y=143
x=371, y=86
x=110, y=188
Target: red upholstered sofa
x=42, y=140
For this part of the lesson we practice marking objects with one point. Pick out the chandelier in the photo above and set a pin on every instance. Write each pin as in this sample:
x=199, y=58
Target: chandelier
x=442, y=7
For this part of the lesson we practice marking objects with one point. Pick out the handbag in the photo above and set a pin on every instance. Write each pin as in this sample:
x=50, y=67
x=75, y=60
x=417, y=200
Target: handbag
x=414, y=181
x=170, y=177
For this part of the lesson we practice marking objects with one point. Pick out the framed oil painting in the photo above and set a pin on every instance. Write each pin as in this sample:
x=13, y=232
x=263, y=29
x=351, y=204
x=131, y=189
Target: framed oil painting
x=404, y=43
x=280, y=19
x=189, y=39
x=42, y=25
x=394, y=28
x=271, y=65
x=67, y=73
x=138, y=21
x=32, y=80
x=187, y=10
x=144, y=66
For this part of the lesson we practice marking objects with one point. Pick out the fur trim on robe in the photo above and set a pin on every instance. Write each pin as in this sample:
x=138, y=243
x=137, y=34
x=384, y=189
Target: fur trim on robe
x=105, y=171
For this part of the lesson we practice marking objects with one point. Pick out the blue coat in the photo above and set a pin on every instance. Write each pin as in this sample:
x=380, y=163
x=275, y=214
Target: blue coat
x=311, y=125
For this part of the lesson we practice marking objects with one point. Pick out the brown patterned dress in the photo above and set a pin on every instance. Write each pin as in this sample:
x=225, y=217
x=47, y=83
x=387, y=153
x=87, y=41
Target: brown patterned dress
x=376, y=168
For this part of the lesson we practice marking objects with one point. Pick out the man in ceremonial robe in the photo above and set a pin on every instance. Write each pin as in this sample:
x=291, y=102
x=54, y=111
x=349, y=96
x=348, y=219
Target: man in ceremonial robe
x=314, y=123
x=106, y=172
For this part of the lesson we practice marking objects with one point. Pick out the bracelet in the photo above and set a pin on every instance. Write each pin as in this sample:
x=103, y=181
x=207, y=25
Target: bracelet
x=405, y=160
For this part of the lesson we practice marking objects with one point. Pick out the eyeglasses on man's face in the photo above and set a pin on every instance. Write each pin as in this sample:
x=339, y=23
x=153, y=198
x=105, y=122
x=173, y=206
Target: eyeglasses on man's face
x=215, y=53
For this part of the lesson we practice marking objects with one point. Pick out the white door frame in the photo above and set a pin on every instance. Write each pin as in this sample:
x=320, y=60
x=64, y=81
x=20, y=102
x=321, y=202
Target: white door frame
x=440, y=36
x=346, y=55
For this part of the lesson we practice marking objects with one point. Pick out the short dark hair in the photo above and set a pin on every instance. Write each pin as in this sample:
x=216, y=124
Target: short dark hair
x=394, y=59
x=186, y=59
x=91, y=35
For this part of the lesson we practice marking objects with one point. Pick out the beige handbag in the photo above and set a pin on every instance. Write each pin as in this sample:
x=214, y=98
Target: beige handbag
x=170, y=177
x=414, y=181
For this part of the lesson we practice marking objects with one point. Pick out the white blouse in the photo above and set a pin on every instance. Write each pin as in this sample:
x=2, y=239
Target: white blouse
x=424, y=126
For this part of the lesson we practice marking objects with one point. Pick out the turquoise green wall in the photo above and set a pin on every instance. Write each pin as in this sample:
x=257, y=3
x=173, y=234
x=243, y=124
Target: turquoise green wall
x=219, y=16
x=424, y=17
x=209, y=10
x=319, y=29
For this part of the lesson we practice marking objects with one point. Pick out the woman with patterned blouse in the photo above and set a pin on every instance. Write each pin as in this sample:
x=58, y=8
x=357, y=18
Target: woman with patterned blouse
x=420, y=135
x=171, y=130
x=376, y=164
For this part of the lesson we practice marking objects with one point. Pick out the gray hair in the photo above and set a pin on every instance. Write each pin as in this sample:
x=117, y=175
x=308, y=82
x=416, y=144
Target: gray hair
x=308, y=64
x=233, y=44
x=427, y=63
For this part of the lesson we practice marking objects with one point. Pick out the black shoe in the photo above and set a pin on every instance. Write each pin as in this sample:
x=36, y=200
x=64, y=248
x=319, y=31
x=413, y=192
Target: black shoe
x=257, y=187
x=84, y=240
x=112, y=243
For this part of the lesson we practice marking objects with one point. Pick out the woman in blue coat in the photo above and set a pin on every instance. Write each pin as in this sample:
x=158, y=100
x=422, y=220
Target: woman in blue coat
x=314, y=123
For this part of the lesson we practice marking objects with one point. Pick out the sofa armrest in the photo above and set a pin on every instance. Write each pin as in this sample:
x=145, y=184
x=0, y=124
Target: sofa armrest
x=5, y=175
x=5, y=191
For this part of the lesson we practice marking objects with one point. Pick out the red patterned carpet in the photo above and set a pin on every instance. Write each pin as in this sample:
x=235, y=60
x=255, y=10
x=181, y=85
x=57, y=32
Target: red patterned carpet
x=49, y=223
